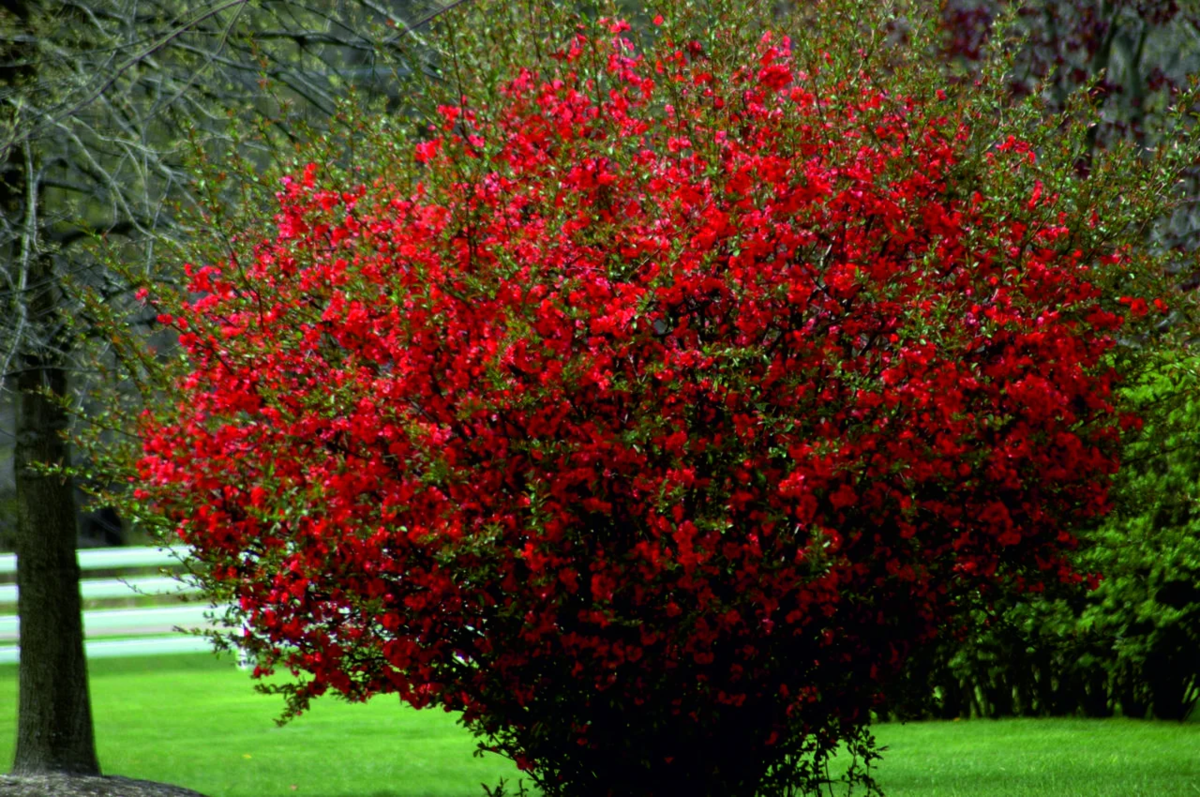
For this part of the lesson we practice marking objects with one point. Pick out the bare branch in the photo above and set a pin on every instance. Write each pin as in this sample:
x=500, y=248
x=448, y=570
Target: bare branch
x=28, y=244
x=111, y=79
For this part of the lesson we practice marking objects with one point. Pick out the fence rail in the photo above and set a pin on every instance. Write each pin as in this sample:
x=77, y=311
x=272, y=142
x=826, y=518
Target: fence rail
x=110, y=558
x=117, y=632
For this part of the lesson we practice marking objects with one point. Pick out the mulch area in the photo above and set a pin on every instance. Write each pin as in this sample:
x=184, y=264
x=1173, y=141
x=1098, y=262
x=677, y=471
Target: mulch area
x=61, y=785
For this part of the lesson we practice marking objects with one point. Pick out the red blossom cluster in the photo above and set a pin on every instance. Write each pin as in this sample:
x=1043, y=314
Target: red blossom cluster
x=654, y=421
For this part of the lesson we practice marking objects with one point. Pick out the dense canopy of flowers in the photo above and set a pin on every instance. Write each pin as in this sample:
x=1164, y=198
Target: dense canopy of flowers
x=652, y=417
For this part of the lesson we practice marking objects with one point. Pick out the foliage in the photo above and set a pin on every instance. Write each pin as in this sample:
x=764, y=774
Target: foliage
x=658, y=401
x=1150, y=603
x=1131, y=644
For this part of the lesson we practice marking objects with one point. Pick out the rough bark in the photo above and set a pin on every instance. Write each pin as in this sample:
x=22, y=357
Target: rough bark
x=54, y=728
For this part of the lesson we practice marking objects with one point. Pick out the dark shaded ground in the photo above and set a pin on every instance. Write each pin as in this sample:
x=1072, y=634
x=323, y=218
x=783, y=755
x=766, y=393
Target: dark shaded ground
x=58, y=785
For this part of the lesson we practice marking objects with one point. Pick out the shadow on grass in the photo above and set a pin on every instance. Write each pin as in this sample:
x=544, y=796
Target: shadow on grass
x=374, y=794
x=529, y=791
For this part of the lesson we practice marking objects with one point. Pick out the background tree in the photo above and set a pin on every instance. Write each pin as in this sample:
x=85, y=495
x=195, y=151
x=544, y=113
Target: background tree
x=101, y=102
x=56, y=731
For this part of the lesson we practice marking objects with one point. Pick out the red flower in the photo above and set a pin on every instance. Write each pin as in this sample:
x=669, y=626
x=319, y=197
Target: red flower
x=696, y=398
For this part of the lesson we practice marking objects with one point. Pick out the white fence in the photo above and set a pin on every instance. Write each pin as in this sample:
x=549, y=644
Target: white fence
x=150, y=630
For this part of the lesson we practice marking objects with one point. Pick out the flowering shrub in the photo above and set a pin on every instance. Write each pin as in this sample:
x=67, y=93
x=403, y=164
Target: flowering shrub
x=654, y=415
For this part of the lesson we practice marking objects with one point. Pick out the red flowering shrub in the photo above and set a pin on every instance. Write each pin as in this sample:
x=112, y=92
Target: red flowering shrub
x=653, y=418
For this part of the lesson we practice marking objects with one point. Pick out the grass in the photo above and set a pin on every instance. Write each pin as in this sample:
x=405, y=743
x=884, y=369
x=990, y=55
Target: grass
x=1041, y=758
x=195, y=721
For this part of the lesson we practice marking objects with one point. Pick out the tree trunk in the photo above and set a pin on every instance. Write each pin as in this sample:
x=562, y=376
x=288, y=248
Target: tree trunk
x=54, y=716
x=54, y=719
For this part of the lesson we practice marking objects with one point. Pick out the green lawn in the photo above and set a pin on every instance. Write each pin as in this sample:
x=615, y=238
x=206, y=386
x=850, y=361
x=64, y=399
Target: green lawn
x=1041, y=758
x=194, y=721
x=197, y=722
